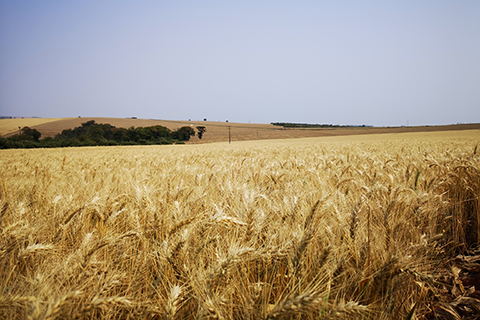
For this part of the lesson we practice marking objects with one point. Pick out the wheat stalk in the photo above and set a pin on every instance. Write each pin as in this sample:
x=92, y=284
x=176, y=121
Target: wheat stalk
x=238, y=232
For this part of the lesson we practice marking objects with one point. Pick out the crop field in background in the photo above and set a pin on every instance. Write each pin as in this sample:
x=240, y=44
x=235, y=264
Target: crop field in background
x=10, y=126
x=218, y=131
x=370, y=227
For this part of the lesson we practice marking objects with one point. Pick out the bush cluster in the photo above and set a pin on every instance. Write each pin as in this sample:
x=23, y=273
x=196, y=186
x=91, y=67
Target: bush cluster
x=98, y=134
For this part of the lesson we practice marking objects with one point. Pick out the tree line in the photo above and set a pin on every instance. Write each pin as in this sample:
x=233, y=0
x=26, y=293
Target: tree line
x=101, y=134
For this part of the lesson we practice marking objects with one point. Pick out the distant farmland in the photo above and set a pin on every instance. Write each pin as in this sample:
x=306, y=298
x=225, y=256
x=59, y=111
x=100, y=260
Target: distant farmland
x=10, y=126
x=217, y=131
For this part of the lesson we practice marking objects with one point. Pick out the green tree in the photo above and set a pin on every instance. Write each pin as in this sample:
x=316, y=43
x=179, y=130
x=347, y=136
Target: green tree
x=201, y=131
x=29, y=134
x=183, y=134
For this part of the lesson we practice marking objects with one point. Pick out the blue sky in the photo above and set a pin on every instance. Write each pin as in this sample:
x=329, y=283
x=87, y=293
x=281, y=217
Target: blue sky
x=340, y=62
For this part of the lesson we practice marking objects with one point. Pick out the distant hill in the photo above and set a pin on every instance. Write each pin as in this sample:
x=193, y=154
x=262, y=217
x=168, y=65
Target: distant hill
x=216, y=131
x=10, y=126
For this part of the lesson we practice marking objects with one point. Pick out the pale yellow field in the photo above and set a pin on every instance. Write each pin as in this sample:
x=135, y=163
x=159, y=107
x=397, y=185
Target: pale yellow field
x=316, y=228
x=405, y=137
x=220, y=131
x=11, y=125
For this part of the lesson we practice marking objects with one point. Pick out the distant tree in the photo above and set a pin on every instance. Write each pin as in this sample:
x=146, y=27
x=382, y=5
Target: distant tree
x=91, y=134
x=28, y=133
x=95, y=132
x=201, y=131
x=88, y=123
x=121, y=135
x=183, y=134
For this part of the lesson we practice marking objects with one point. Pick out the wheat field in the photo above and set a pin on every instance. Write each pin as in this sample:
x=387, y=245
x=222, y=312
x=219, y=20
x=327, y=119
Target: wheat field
x=335, y=228
x=12, y=125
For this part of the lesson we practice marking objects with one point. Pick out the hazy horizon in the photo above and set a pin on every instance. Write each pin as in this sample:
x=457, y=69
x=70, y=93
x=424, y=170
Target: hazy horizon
x=342, y=62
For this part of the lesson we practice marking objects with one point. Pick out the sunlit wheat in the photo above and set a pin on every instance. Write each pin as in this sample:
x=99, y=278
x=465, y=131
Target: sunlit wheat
x=299, y=229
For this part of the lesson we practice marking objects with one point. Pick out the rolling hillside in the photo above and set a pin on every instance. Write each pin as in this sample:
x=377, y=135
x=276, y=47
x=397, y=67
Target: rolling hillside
x=216, y=131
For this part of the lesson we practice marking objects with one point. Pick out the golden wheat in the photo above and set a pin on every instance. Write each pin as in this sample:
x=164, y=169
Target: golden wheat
x=313, y=228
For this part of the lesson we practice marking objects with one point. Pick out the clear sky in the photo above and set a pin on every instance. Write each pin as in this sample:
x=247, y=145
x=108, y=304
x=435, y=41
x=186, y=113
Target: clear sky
x=341, y=62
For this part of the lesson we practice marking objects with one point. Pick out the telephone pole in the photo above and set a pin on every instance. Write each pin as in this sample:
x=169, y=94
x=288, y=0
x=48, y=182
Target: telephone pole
x=229, y=139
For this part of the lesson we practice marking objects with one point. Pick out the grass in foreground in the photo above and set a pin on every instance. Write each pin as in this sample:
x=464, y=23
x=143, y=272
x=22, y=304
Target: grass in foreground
x=284, y=230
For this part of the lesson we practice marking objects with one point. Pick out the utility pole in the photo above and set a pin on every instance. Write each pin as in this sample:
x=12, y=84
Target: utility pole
x=229, y=139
